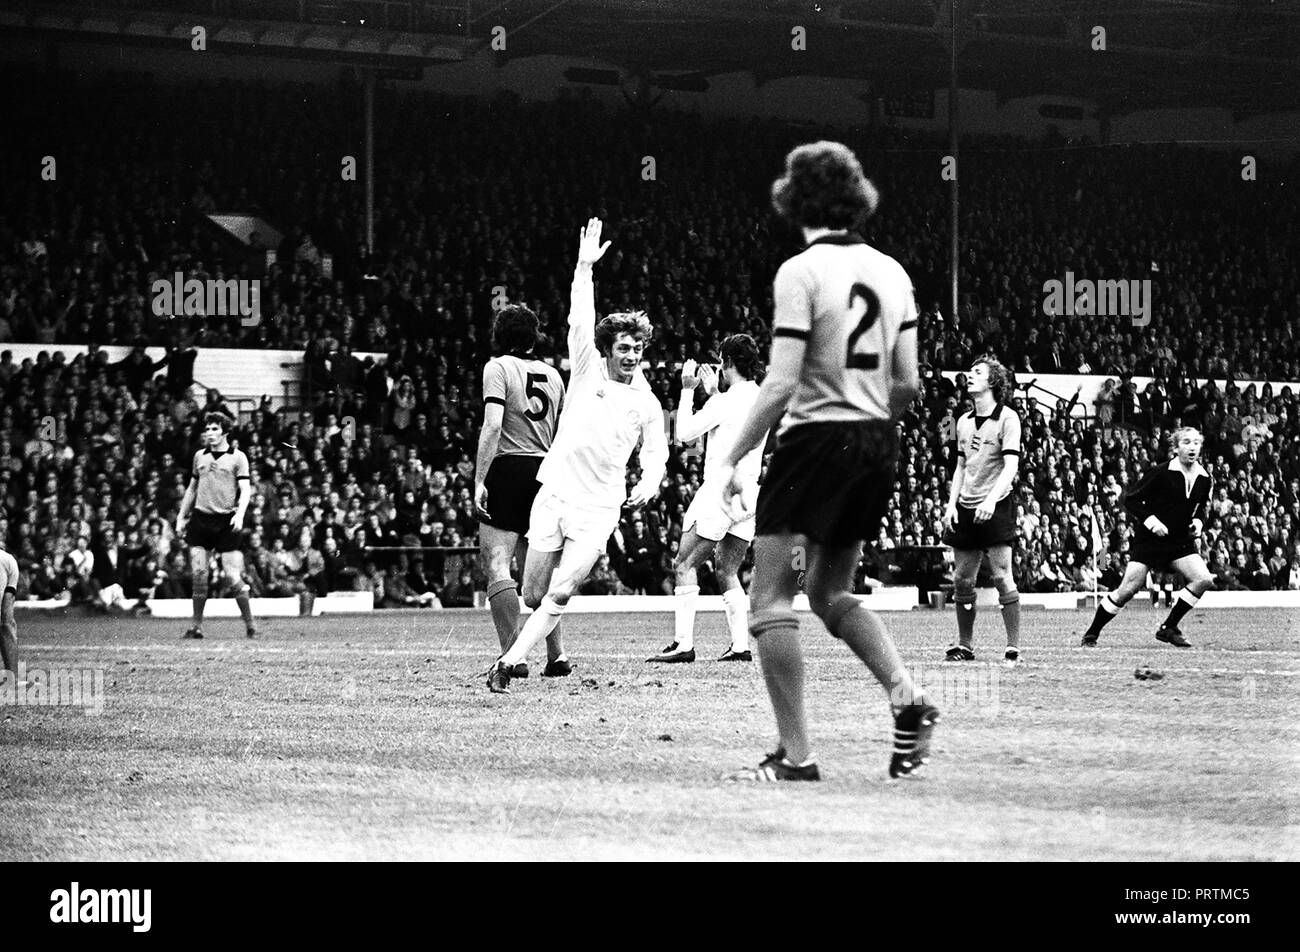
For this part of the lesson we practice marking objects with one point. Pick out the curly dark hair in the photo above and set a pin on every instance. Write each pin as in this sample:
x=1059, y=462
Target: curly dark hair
x=220, y=419
x=741, y=352
x=623, y=322
x=824, y=187
x=1000, y=379
x=514, y=330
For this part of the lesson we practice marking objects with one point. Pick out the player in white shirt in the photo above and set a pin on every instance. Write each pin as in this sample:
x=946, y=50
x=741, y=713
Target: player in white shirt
x=709, y=527
x=8, y=625
x=608, y=410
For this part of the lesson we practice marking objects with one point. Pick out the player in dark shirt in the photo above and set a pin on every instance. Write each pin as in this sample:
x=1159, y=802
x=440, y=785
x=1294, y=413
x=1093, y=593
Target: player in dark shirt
x=1168, y=506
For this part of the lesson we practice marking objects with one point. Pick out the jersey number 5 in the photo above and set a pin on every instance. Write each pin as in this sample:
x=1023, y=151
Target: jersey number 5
x=870, y=312
x=534, y=392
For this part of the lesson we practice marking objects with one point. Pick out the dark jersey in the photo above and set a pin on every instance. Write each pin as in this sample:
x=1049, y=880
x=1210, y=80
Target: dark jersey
x=1172, y=496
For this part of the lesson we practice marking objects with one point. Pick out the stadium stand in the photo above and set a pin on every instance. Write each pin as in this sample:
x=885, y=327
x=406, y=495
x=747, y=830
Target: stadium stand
x=93, y=454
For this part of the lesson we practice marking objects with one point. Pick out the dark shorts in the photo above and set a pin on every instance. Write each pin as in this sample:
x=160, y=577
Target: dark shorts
x=512, y=486
x=212, y=532
x=1159, y=554
x=967, y=534
x=829, y=481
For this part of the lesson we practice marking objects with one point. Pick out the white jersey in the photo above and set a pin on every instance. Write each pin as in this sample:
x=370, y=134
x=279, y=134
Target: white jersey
x=8, y=573
x=722, y=417
x=602, y=422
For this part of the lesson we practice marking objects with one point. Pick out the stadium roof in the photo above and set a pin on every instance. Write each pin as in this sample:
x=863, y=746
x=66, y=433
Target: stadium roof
x=1239, y=54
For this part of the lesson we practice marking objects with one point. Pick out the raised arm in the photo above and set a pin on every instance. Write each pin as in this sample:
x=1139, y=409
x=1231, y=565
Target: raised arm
x=583, y=358
x=692, y=425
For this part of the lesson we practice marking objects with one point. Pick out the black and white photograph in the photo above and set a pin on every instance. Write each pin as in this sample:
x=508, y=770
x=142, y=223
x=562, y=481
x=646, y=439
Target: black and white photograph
x=651, y=430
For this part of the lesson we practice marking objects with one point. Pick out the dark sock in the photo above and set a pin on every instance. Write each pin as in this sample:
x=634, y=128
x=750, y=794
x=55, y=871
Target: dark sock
x=1182, y=605
x=966, y=619
x=1103, y=616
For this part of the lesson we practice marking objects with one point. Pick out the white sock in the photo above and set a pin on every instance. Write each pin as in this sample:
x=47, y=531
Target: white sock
x=540, y=624
x=736, y=605
x=684, y=633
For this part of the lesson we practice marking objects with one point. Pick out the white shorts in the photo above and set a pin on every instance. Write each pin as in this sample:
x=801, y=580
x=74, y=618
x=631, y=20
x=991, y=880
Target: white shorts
x=712, y=520
x=552, y=520
x=112, y=595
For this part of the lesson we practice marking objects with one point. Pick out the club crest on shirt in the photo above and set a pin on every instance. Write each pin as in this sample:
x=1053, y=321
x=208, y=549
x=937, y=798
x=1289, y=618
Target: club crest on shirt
x=974, y=443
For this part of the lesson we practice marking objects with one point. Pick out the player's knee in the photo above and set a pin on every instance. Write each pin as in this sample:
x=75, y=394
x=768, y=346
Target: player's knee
x=1006, y=585
x=963, y=589
x=770, y=619
x=533, y=596
x=833, y=607
x=1199, y=584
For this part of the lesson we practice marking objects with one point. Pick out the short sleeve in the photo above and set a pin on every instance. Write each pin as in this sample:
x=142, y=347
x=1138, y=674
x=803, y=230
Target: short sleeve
x=494, y=382
x=793, y=300
x=241, y=466
x=1010, y=434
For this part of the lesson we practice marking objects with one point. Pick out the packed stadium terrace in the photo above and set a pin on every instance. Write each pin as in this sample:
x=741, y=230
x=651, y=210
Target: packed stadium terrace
x=472, y=195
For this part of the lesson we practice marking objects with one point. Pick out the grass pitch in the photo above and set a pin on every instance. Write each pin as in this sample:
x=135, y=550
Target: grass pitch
x=373, y=737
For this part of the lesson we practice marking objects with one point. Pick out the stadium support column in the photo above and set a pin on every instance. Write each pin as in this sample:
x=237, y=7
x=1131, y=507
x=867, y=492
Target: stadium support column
x=370, y=161
x=954, y=247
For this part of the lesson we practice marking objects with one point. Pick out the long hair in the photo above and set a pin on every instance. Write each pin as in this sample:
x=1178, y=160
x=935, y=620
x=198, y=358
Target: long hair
x=824, y=187
x=635, y=323
x=1000, y=379
x=514, y=330
x=741, y=352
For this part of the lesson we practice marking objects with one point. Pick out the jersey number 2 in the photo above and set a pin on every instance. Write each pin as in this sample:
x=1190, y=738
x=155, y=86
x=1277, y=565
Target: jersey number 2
x=533, y=392
x=870, y=312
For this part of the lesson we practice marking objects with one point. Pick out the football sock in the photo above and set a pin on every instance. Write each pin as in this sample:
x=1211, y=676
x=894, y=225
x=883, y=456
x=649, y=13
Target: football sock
x=1185, y=602
x=965, y=599
x=1011, y=616
x=503, y=600
x=736, y=605
x=555, y=643
x=245, y=609
x=684, y=630
x=540, y=624
x=8, y=650
x=863, y=632
x=1106, y=610
x=777, y=636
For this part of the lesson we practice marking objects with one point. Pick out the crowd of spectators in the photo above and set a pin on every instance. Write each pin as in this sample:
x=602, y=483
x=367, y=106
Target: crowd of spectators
x=476, y=196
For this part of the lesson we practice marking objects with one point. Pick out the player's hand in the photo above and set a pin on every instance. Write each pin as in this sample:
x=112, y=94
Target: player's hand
x=1197, y=526
x=733, y=499
x=984, y=511
x=181, y=523
x=481, y=498
x=950, y=517
x=690, y=375
x=237, y=520
x=640, y=495
x=709, y=379
x=1156, y=526
x=590, y=250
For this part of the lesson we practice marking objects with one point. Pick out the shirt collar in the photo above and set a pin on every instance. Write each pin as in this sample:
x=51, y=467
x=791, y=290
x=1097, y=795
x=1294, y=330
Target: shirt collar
x=846, y=238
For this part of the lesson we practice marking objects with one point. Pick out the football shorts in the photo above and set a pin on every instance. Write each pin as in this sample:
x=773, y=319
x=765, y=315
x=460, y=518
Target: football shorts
x=512, y=488
x=829, y=481
x=1000, y=529
x=1159, y=554
x=712, y=520
x=553, y=520
x=212, y=531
